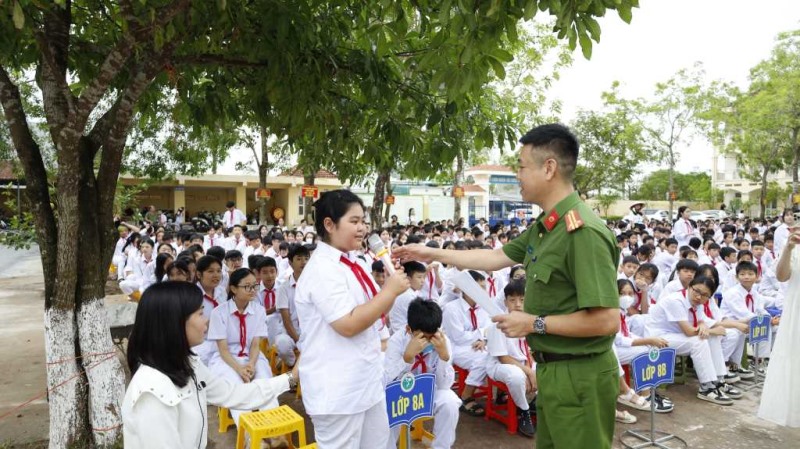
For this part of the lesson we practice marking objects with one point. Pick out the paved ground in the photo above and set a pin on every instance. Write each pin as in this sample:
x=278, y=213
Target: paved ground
x=22, y=376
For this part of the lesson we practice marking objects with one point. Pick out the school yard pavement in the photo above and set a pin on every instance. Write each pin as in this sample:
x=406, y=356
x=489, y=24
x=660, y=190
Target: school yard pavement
x=22, y=377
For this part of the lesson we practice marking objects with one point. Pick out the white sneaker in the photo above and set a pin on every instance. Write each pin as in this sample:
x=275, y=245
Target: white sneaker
x=714, y=395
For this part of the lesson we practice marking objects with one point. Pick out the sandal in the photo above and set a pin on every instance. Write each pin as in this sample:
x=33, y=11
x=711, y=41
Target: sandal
x=624, y=417
x=476, y=410
x=633, y=400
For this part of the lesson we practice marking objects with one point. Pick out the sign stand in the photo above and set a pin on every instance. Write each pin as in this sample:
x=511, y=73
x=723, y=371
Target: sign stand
x=408, y=399
x=760, y=331
x=651, y=370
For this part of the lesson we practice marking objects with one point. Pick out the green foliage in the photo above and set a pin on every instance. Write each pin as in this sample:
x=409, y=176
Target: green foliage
x=688, y=186
x=20, y=233
x=612, y=149
x=606, y=200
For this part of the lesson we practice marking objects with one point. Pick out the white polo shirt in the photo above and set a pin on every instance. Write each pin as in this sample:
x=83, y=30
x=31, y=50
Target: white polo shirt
x=233, y=217
x=340, y=375
x=285, y=300
x=671, y=310
x=224, y=325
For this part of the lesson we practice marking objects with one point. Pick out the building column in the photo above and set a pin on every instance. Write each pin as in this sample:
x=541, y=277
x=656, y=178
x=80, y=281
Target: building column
x=292, y=206
x=241, y=198
x=179, y=198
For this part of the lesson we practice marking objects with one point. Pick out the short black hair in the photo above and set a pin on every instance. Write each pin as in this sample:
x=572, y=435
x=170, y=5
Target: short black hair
x=695, y=243
x=297, y=250
x=630, y=259
x=726, y=251
x=266, y=262
x=216, y=251
x=686, y=264
x=756, y=243
x=744, y=253
x=333, y=204
x=746, y=266
x=709, y=271
x=233, y=254
x=161, y=317
x=196, y=249
x=252, y=260
x=557, y=140
x=377, y=266
x=205, y=262
x=425, y=316
x=648, y=268
x=515, y=288
x=412, y=267
x=477, y=276
x=671, y=241
x=708, y=282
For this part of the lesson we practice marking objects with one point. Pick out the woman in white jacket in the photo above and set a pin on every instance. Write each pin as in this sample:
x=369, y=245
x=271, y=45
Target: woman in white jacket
x=166, y=403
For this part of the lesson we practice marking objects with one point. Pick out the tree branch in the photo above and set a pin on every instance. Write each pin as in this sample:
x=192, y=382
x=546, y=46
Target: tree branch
x=212, y=59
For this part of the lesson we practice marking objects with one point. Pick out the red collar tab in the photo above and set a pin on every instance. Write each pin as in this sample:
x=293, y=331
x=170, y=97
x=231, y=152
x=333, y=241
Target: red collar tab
x=551, y=220
x=573, y=220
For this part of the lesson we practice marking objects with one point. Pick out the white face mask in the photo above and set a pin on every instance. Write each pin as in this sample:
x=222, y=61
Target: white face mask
x=625, y=301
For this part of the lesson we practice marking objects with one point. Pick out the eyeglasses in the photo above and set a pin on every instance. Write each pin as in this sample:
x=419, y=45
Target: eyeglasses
x=701, y=294
x=249, y=287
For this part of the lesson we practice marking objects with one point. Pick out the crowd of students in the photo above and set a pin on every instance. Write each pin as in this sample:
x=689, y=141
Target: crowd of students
x=687, y=285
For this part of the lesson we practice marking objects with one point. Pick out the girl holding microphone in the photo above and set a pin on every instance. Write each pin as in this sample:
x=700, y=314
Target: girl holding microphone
x=341, y=310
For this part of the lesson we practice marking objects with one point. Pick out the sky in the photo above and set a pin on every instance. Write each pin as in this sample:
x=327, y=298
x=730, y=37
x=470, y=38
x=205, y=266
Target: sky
x=727, y=36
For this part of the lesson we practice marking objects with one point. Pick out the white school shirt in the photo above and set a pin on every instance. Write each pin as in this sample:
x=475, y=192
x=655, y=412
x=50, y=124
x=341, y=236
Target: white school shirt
x=394, y=366
x=261, y=296
x=683, y=231
x=220, y=296
x=674, y=308
x=781, y=237
x=157, y=414
x=664, y=261
x=398, y=316
x=734, y=303
x=209, y=241
x=429, y=289
x=224, y=325
x=285, y=300
x=118, y=247
x=672, y=287
x=145, y=270
x=497, y=344
x=340, y=375
x=231, y=243
x=234, y=217
x=622, y=340
x=457, y=323
x=250, y=251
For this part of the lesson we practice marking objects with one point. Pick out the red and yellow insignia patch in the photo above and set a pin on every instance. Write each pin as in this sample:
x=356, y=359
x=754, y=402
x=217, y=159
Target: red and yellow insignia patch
x=573, y=220
x=551, y=220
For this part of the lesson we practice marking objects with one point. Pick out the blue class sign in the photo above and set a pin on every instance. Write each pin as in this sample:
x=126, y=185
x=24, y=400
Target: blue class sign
x=760, y=328
x=410, y=398
x=654, y=368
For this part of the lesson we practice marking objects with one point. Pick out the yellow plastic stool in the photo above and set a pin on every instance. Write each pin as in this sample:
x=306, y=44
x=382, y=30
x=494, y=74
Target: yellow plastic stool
x=269, y=424
x=418, y=432
x=310, y=446
x=225, y=419
x=263, y=345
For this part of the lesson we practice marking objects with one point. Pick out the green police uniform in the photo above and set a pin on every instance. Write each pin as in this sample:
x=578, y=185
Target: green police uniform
x=570, y=259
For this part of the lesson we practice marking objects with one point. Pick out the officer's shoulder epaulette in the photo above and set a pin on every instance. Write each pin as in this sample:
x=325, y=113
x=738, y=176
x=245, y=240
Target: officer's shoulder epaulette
x=573, y=220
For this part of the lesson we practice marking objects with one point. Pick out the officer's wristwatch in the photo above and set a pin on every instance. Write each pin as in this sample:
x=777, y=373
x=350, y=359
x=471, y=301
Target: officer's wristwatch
x=538, y=325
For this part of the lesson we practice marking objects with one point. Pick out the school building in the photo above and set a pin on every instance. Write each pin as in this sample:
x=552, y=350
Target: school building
x=210, y=192
x=725, y=176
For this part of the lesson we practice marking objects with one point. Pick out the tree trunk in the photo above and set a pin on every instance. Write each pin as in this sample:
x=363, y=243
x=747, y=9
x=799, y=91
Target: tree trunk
x=308, y=202
x=671, y=183
x=763, y=193
x=459, y=181
x=262, y=176
x=795, y=161
x=378, y=199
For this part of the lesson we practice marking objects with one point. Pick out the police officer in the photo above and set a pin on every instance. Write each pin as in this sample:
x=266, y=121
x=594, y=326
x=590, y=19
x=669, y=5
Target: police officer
x=571, y=300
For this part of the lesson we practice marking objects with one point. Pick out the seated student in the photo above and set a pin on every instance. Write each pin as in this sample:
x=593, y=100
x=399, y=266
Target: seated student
x=628, y=268
x=510, y=361
x=494, y=284
x=628, y=345
x=253, y=247
x=684, y=273
x=732, y=278
x=667, y=259
x=767, y=285
x=464, y=322
x=727, y=264
x=288, y=336
x=421, y=347
x=742, y=302
x=196, y=239
x=211, y=238
x=735, y=332
x=712, y=255
x=236, y=241
x=770, y=256
x=268, y=294
x=741, y=244
x=143, y=274
x=432, y=287
x=209, y=275
x=416, y=277
x=179, y=271
x=679, y=318
x=378, y=273
x=237, y=326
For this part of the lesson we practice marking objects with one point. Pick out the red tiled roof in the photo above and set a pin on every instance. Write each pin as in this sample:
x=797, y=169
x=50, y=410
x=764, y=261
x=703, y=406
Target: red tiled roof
x=474, y=188
x=490, y=167
x=297, y=172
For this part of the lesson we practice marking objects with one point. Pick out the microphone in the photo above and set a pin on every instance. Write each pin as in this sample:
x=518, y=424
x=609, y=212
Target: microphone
x=376, y=246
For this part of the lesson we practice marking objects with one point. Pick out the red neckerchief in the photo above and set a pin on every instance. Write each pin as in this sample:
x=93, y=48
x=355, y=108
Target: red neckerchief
x=242, y=332
x=473, y=318
x=269, y=297
x=419, y=361
x=694, y=315
x=492, y=286
x=623, y=326
x=523, y=346
x=210, y=299
x=748, y=300
x=366, y=283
